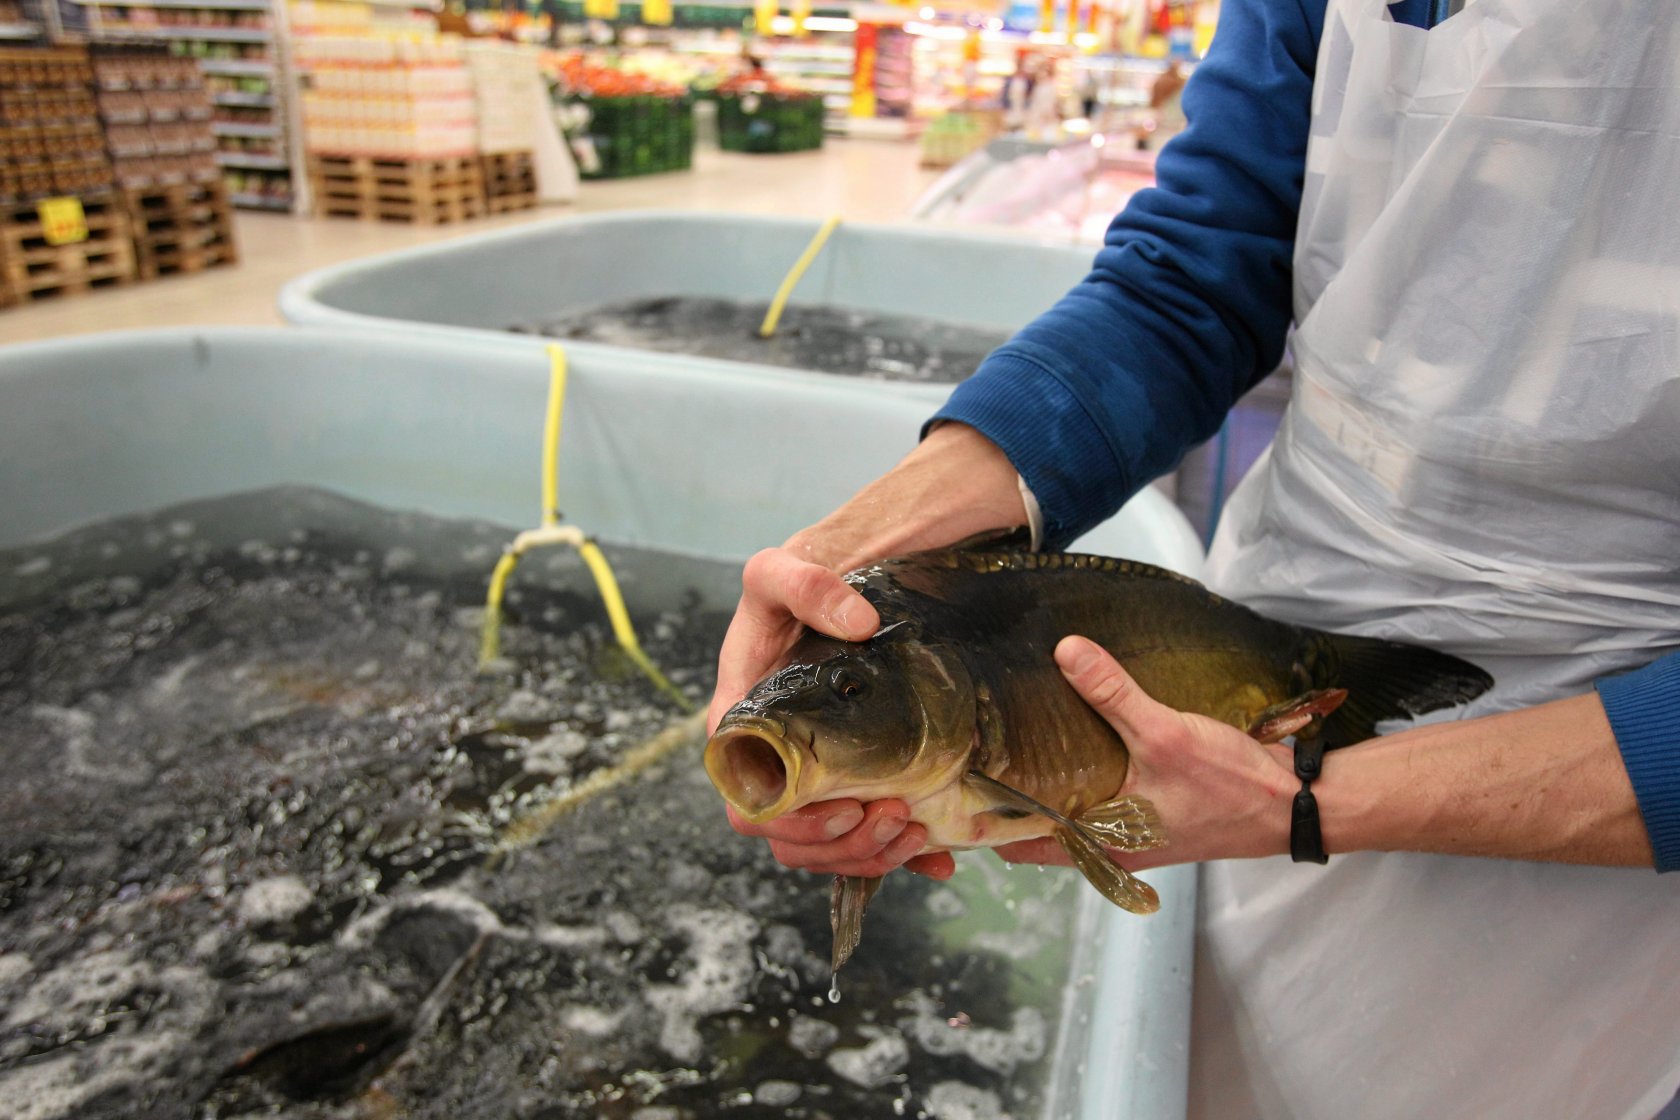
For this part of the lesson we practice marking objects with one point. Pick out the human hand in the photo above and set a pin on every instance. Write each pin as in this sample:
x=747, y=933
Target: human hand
x=956, y=483
x=1220, y=793
x=781, y=595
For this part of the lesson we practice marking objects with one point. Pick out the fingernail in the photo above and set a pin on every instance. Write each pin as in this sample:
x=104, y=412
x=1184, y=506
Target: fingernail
x=1075, y=655
x=842, y=822
x=903, y=848
x=886, y=828
x=848, y=618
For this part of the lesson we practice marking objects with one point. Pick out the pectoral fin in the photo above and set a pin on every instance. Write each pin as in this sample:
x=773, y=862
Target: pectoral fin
x=1292, y=717
x=1084, y=841
x=1128, y=823
x=846, y=903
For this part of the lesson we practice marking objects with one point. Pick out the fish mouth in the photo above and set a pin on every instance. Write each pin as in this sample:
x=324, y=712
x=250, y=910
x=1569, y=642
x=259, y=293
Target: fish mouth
x=756, y=766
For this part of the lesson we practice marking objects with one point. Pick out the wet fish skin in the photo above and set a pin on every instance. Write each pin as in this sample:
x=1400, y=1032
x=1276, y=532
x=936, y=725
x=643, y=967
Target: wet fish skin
x=957, y=706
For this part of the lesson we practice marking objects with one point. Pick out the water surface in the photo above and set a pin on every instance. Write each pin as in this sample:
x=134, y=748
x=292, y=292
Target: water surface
x=252, y=781
x=825, y=339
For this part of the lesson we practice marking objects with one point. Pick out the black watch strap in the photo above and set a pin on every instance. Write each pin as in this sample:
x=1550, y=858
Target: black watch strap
x=1306, y=837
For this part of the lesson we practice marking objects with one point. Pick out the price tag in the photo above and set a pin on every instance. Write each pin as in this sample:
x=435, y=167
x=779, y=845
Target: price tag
x=62, y=220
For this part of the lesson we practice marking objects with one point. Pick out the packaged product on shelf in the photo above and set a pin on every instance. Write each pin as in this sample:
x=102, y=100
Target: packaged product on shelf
x=50, y=142
x=389, y=98
x=156, y=112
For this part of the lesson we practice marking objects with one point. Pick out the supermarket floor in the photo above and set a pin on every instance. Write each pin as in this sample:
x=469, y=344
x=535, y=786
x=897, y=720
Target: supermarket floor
x=861, y=180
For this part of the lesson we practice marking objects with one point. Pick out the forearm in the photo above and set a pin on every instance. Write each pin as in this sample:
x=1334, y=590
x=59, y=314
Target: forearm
x=1187, y=303
x=955, y=484
x=1544, y=783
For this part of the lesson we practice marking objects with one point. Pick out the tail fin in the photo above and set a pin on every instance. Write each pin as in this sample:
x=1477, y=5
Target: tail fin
x=1391, y=680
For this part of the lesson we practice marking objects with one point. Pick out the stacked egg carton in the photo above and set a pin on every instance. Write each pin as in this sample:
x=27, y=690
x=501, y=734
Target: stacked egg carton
x=510, y=94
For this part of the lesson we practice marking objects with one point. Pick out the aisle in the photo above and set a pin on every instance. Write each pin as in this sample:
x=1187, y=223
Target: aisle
x=862, y=180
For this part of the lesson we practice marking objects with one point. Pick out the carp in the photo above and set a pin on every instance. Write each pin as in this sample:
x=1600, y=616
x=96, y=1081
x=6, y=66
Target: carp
x=957, y=707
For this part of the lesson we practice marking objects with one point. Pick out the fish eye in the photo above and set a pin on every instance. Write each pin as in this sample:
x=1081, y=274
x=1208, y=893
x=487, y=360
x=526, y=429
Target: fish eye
x=846, y=684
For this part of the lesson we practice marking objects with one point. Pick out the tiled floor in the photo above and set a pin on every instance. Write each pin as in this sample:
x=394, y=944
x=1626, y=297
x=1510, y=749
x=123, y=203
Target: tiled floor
x=861, y=180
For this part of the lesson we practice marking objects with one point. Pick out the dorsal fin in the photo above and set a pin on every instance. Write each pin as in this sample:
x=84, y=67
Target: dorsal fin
x=994, y=560
x=1015, y=538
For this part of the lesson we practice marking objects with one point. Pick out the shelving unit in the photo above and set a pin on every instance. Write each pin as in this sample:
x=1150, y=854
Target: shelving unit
x=240, y=46
x=822, y=65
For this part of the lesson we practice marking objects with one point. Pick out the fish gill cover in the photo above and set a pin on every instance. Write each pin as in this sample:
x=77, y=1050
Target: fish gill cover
x=251, y=782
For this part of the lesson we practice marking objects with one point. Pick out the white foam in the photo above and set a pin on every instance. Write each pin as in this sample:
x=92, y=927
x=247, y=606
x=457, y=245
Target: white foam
x=595, y=1022
x=812, y=1037
x=946, y=904
x=776, y=1094
x=992, y=1048
x=13, y=966
x=625, y=928
x=447, y=899
x=720, y=969
x=874, y=1064
x=952, y=1100
x=39, y=566
x=277, y=899
x=525, y=706
x=69, y=1000
x=81, y=747
x=552, y=754
x=571, y=937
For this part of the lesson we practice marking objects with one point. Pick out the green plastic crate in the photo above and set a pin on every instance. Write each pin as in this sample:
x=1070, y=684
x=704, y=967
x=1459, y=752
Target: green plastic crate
x=769, y=122
x=639, y=135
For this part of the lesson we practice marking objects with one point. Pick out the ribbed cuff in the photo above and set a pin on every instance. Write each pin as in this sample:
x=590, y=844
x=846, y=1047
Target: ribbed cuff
x=1644, y=711
x=1060, y=452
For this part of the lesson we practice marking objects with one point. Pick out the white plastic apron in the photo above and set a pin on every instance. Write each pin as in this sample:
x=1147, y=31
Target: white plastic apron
x=1482, y=454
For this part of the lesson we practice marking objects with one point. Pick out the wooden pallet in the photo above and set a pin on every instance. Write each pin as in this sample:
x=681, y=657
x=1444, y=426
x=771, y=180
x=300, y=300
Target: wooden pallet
x=32, y=269
x=181, y=228
x=423, y=191
x=510, y=181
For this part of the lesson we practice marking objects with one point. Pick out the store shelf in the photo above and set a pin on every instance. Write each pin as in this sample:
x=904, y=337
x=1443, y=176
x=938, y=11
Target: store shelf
x=259, y=201
x=224, y=27
x=238, y=67
x=205, y=5
x=244, y=100
x=235, y=128
x=253, y=162
x=199, y=34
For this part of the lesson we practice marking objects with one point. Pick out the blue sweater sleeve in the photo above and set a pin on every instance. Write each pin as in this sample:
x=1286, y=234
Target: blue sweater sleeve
x=1644, y=711
x=1188, y=301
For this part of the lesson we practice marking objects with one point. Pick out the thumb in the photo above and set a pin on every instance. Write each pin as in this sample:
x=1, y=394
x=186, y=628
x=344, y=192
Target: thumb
x=1107, y=687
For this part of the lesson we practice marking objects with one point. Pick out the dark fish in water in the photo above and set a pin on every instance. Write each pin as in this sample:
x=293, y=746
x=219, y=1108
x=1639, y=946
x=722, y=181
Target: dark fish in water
x=957, y=707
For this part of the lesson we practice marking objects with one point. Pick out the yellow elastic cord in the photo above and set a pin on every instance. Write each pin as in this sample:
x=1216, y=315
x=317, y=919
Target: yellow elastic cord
x=552, y=532
x=620, y=617
x=774, y=315
x=490, y=640
x=551, y=435
x=530, y=828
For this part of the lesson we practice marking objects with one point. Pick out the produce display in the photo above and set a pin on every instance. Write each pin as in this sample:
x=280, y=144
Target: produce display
x=621, y=124
x=756, y=113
